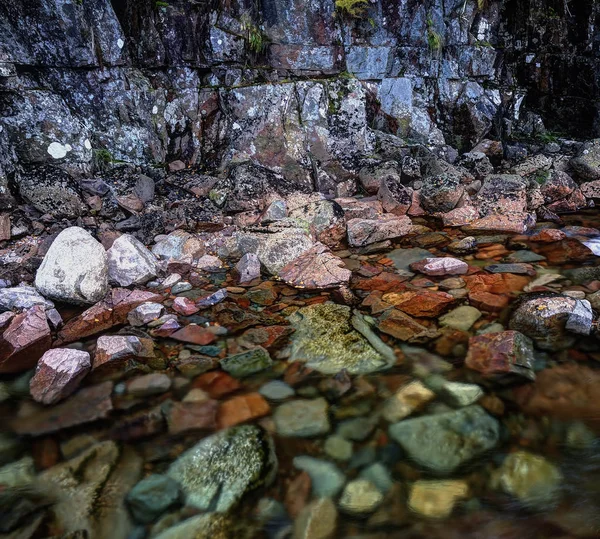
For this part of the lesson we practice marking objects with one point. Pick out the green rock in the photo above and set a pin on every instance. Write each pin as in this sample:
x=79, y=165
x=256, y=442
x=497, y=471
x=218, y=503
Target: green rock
x=379, y=476
x=338, y=448
x=247, y=363
x=151, y=497
x=216, y=472
x=530, y=478
x=461, y=318
x=443, y=442
x=326, y=341
x=326, y=478
x=302, y=418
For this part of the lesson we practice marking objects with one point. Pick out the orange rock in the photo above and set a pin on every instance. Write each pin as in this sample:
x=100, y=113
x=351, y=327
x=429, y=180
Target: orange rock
x=492, y=251
x=384, y=282
x=421, y=303
x=216, y=383
x=241, y=409
x=548, y=235
x=567, y=250
x=183, y=417
x=403, y=327
x=492, y=404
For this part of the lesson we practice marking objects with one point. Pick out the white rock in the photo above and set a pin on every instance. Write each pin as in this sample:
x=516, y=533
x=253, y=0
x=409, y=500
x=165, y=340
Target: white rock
x=75, y=268
x=130, y=262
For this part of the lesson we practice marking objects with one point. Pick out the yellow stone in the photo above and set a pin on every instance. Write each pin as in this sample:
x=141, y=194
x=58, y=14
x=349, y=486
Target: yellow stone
x=436, y=499
x=406, y=400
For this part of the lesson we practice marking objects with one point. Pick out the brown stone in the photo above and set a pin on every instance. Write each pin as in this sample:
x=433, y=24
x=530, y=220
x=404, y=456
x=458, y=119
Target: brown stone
x=242, y=408
x=113, y=351
x=86, y=405
x=421, y=303
x=502, y=353
x=140, y=425
x=486, y=301
x=567, y=250
x=24, y=341
x=316, y=269
x=111, y=311
x=297, y=494
x=183, y=417
x=403, y=327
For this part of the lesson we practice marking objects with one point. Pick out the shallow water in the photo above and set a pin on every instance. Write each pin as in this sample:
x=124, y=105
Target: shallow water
x=529, y=468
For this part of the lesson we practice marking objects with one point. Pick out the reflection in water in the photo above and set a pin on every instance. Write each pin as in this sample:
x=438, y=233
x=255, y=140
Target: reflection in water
x=454, y=398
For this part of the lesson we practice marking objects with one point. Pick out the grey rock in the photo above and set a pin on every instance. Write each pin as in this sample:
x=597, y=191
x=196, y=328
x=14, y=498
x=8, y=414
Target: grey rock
x=130, y=262
x=443, y=442
x=587, y=162
x=145, y=313
x=276, y=390
x=22, y=298
x=363, y=232
x=327, y=479
x=75, y=268
x=302, y=418
x=212, y=299
x=216, y=472
x=151, y=497
x=180, y=287
x=248, y=268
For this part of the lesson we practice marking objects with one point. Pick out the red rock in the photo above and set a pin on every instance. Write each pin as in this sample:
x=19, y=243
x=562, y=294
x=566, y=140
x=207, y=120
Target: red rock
x=548, y=235
x=567, y=391
x=241, y=409
x=488, y=302
x=573, y=202
x=86, y=405
x=217, y=384
x=316, y=269
x=384, y=282
x=395, y=198
x=184, y=417
x=58, y=374
x=440, y=266
x=499, y=283
x=421, y=303
x=416, y=210
x=194, y=334
x=111, y=311
x=403, y=327
x=24, y=341
x=503, y=353
x=185, y=306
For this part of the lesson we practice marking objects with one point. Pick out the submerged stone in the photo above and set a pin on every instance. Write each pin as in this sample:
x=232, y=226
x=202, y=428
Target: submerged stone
x=302, y=418
x=326, y=478
x=247, y=363
x=152, y=496
x=443, y=442
x=216, y=472
x=326, y=341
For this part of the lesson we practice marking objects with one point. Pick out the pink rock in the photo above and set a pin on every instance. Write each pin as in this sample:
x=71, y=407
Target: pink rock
x=248, y=268
x=440, y=266
x=363, y=232
x=185, y=417
x=24, y=341
x=209, y=263
x=416, y=209
x=58, y=374
x=515, y=222
x=113, y=350
x=185, y=306
x=316, y=269
x=166, y=329
x=460, y=216
x=394, y=197
x=360, y=209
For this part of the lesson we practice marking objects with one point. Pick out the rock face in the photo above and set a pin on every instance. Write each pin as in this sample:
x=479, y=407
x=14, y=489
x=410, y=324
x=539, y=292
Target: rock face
x=443, y=442
x=220, y=469
x=327, y=342
x=130, y=262
x=75, y=268
x=58, y=374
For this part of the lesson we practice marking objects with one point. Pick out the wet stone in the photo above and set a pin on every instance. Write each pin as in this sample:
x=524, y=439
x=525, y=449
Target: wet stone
x=407, y=399
x=216, y=472
x=498, y=355
x=443, y=442
x=440, y=266
x=338, y=448
x=302, y=418
x=360, y=497
x=276, y=390
x=436, y=499
x=247, y=363
x=148, y=384
x=461, y=318
x=519, y=269
x=318, y=520
x=403, y=258
x=22, y=298
x=58, y=374
x=532, y=479
x=363, y=232
x=524, y=257
x=327, y=342
x=151, y=497
x=327, y=479
x=455, y=393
